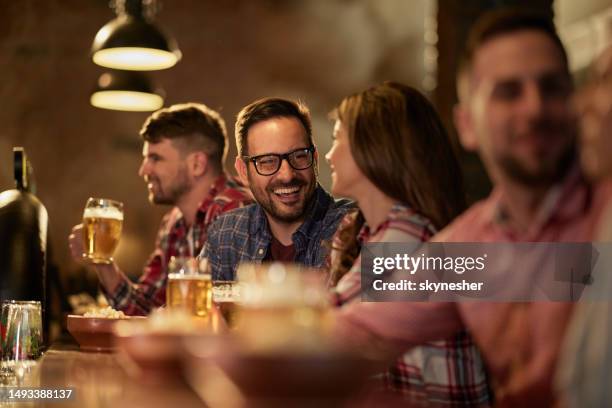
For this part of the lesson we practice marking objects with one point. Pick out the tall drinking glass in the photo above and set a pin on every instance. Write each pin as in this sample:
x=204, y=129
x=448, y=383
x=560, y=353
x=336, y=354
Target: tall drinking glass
x=282, y=307
x=225, y=295
x=102, y=223
x=189, y=286
x=21, y=325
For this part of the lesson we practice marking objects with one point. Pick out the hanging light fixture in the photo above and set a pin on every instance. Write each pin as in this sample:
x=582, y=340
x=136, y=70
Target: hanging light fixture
x=132, y=42
x=126, y=91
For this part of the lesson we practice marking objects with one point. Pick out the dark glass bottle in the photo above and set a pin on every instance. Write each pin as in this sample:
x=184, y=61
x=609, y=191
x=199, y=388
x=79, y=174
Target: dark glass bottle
x=23, y=240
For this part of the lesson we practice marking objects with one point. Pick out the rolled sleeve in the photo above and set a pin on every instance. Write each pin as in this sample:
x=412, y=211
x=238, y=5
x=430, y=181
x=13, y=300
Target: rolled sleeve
x=139, y=299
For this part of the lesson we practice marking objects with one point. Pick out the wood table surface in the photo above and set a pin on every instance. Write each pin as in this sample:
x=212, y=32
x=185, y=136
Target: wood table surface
x=101, y=380
x=111, y=380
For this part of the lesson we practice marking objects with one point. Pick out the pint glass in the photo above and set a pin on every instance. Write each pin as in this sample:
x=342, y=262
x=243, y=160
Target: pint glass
x=189, y=287
x=282, y=307
x=225, y=295
x=102, y=222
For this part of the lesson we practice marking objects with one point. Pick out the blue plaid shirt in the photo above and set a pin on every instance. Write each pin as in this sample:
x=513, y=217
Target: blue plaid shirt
x=243, y=235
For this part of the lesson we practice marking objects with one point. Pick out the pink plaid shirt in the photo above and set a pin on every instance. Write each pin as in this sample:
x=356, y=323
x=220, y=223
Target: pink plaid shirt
x=448, y=373
x=520, y=341
x=175, y=239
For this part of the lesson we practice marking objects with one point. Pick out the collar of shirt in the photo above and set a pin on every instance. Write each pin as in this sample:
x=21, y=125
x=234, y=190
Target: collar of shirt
x=217, y=186
x=180, y=228
x=314, y=213
x=564, y=201
x=397, y=210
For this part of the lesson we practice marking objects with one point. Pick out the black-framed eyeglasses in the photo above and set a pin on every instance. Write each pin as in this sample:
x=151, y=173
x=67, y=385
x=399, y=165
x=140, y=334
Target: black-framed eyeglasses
x=268, y=164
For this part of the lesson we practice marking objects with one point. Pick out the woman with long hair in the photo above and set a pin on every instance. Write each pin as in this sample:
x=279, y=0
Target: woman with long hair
x=392, y=155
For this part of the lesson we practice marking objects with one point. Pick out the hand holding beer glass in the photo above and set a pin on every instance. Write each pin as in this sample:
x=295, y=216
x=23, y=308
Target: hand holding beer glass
x=102, y=222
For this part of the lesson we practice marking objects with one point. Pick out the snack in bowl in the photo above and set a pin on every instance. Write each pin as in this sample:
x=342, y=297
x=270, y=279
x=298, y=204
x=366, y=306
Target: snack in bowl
x=105, y=312
x=93, y=331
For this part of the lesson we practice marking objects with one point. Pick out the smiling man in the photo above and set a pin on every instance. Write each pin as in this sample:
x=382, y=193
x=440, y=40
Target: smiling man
x=184, y=149
x=294, y=215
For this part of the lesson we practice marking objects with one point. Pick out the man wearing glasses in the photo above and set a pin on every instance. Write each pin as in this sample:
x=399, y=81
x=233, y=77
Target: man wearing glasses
x=294, y=215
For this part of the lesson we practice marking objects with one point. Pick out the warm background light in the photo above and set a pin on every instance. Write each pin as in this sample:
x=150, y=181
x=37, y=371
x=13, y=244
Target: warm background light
x=126, y=101
x=135, y=58
x=132, y=41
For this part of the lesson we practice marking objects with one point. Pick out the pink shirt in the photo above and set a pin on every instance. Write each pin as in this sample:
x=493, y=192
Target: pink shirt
x=520, y=341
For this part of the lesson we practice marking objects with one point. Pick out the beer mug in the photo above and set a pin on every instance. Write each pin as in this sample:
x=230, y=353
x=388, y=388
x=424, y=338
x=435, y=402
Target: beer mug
x=102, y=222
x=21, y=325
x=282, y=307
x=189, y=286
x=225, y=296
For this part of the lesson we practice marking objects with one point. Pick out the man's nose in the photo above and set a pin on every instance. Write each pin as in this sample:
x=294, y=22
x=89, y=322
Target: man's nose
x=328, y=155
x=285, y=172
x=144, y=169
x=533, y=99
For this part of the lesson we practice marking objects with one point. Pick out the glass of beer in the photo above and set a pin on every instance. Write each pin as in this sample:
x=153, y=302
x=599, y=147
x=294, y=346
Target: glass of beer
x=225, y=295
x=282, y=307
x=102, y=222
x=189, y=286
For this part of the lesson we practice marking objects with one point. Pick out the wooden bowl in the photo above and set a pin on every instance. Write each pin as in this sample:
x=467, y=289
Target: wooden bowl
x=328, y=377
x=94, y=333
x=155, y=354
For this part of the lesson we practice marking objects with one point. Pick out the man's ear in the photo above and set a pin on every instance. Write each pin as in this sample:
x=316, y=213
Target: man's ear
x=465, y=127
x=198, y=163
x=241, y=169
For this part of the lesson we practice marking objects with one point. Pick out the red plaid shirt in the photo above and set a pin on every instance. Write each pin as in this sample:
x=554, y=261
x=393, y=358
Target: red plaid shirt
x=448, y=373
x=175, y=239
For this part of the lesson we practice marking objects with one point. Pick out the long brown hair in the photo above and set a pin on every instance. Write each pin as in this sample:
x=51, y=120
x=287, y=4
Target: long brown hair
x=399, y=143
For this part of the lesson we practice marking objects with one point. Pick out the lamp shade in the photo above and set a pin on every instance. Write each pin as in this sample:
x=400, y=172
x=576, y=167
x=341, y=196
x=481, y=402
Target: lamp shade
x=126, y=91
x=132, y=43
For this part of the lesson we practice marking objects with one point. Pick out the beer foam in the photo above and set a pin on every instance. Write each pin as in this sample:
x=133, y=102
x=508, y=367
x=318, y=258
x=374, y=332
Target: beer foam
x=105, y=212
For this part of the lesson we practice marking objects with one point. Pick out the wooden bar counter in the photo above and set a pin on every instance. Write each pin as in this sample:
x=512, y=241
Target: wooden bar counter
x=100, y=380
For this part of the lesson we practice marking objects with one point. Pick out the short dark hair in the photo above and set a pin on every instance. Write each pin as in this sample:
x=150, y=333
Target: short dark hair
x=194, y=126
x=268, y=108
x=503, y=21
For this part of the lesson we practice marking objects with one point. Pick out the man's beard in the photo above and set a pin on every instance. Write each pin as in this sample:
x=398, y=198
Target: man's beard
x=550, y=169
x=548, y=173
x=175, y=190
x=264, y=197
